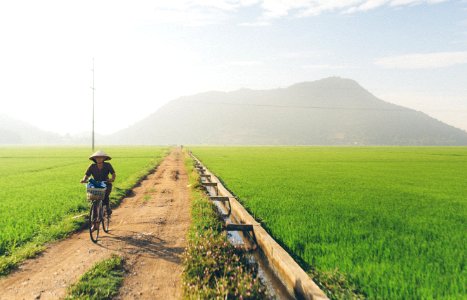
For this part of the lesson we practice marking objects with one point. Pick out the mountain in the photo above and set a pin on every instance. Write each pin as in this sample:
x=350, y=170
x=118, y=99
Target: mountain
x=331, y=111
x=16, y=132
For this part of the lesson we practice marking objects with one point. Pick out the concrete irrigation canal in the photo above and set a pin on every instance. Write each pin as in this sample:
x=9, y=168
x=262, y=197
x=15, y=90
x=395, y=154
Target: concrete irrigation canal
x=284, y=278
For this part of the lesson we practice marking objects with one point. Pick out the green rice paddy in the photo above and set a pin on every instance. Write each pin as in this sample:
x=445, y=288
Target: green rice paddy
x=40, y=190
x=389, y=222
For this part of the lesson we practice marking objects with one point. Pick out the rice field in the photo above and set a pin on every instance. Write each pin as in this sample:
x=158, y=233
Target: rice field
x=39, y=188
x=385, y=222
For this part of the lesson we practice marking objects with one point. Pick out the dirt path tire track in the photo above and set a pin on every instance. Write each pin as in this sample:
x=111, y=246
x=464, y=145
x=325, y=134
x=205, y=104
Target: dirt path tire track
x=149, y=229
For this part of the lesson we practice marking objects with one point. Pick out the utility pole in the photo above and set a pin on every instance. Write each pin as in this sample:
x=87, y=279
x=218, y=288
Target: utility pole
x=93, y=89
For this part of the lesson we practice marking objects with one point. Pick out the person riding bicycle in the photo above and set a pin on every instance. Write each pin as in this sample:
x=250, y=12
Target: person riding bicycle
x=100, y=171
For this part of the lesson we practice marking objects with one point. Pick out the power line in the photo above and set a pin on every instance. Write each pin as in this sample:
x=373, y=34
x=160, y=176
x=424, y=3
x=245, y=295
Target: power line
x=406, y=110
x=304, y=106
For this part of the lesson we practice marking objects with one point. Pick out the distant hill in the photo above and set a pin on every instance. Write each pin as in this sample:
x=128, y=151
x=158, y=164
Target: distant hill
x=16, y=132
x=332, y=111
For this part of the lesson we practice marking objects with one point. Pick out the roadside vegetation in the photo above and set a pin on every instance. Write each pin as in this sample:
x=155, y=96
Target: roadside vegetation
x=41, y=199
x=374, y=222
x=102, y=281
x=213, y=268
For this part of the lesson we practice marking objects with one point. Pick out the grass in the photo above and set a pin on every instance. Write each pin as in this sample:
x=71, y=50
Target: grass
x=213, y=268
x=102, y=281
x=40, y=193
x=380, y=222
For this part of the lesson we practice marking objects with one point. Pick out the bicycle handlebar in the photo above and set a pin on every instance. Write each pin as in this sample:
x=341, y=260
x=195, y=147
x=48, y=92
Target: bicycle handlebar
x=104, y=181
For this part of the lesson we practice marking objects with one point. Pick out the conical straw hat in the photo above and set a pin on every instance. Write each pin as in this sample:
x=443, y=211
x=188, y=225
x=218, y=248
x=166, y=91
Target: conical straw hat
x=100, y=153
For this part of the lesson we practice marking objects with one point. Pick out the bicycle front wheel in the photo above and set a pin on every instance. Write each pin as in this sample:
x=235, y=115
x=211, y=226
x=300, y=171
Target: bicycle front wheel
x=94, y=222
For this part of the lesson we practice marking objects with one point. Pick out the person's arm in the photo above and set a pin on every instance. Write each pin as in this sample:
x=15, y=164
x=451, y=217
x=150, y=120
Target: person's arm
x=85, y=179
x=86, y=175
x=112, y=172
x=113, y=177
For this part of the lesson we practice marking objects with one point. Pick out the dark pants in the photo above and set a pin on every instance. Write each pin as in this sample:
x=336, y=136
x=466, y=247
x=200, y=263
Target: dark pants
x=107, y=194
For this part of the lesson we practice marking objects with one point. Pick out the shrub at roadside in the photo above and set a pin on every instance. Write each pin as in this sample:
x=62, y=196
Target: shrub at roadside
x=213, y=268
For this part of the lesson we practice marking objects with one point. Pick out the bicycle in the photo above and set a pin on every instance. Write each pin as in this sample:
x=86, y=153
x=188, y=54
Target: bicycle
x=97, y=213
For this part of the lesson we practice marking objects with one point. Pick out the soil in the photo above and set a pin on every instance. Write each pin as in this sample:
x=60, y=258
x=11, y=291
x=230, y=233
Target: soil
x=149, y=229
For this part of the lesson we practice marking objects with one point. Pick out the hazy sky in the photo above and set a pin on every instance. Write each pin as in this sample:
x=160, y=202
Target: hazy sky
x=408, y=52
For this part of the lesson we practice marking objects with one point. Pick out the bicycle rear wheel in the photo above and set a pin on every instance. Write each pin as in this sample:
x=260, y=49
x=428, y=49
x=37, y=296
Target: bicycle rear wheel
x=105, y=220
x=94, y=221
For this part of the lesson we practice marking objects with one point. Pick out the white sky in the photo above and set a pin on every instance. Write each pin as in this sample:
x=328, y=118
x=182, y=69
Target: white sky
x=409, y=52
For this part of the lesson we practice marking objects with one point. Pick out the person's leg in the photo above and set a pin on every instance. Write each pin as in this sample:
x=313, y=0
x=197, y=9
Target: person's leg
x=106, y=201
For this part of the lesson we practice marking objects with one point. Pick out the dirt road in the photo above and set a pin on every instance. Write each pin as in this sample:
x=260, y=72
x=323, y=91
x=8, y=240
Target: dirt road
x=149, y=229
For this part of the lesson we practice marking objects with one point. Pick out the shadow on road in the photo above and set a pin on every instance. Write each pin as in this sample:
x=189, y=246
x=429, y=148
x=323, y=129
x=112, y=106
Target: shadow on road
x=142, y=244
